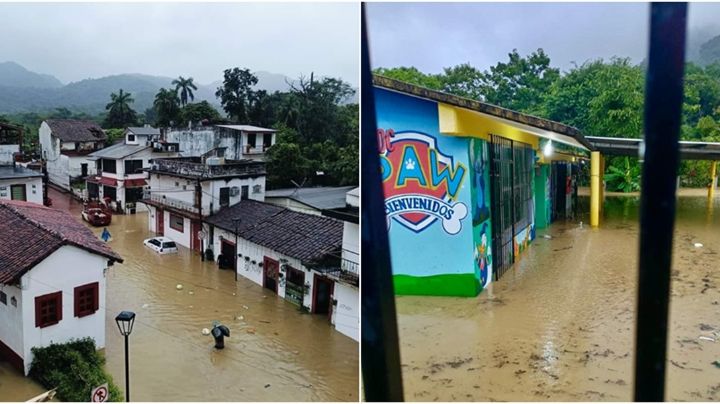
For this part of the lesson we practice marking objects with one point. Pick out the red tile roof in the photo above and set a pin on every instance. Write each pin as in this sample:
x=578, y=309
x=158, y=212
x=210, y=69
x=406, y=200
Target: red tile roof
x=76, y=130
x=29, y=233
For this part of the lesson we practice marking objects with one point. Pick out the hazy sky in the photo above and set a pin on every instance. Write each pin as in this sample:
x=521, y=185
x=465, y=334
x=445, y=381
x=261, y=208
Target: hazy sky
x=431, y=36
x=82, y=40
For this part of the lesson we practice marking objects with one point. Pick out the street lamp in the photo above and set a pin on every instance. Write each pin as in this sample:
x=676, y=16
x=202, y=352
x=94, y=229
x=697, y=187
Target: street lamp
x=125, y=321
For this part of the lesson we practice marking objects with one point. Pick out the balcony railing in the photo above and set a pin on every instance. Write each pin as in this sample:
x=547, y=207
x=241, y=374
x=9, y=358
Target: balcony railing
x=348, y=272
x=248, y=149
x=170, y=202
x=191, y=167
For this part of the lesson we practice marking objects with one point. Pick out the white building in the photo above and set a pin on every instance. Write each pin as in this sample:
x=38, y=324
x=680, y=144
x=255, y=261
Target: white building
x=309, y=200
x=52, y=281
x=121, y=176
x=293, y=254
x=240, y=141
x=184, y=190
x=346, y=315
x=17, y=182
x=66, y=144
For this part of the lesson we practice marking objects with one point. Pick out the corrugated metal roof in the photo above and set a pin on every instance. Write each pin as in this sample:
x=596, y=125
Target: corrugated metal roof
x=17, y=171
x=247, y=128
x=143, y=131
x=318, y=197
x=117, y=151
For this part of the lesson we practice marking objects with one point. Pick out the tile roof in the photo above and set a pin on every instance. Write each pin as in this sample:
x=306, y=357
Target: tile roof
x=29, y=233
x=318, y=197
x=298, y=235
x=75, y=130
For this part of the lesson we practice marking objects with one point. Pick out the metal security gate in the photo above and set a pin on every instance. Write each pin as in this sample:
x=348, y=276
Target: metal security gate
x=501, y=180
x=511, y=166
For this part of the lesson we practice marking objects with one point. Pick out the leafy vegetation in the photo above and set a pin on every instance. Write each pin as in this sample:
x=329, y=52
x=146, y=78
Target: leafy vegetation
x=74, y=368
x=599, y=97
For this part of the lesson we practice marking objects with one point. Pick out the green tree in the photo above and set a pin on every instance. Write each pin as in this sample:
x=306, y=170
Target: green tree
x=184, y=87
x=120, y=114
x=167, y=107
x=464, y=80
x=236, y=93
x=413, y=76
x=520, y=84
x=318, y=110
x=200, y=112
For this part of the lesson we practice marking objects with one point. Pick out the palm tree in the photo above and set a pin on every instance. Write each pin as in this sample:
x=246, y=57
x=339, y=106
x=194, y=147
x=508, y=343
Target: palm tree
x=184, y=88
x=166, y=106
x=119, y=111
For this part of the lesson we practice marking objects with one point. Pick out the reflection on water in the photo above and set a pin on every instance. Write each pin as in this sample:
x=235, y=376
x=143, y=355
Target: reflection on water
x=560, y=324
x=274, y=353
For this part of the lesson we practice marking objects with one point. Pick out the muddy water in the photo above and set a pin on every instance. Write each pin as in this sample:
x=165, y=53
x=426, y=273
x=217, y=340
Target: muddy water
x=560, y=325
x=274, y=353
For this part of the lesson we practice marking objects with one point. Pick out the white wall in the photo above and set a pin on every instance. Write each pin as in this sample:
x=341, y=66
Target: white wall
x=11, y=333
x=346, y=314
x=213, y=188
x=34, y=195
x=57, y=164
x=7, y=153
x=180, y=238
x=152, y=221
x=65, y=269
x=293, y=205
x=257, y=253
x=351, y=242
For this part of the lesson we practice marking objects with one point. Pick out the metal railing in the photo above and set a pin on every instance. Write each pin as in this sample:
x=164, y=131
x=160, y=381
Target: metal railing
x=170, y=202
x=194, y=168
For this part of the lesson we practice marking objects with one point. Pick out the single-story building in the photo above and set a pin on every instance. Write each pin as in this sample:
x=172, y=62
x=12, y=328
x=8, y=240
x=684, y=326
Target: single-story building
x=290, y=253
x=466, y=185
x=52, y=280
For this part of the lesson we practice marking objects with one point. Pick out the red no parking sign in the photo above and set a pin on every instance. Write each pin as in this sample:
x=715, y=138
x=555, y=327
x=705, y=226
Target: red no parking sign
x=100, y=394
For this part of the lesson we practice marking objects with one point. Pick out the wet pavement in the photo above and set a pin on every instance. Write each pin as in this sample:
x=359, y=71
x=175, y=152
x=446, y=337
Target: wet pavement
x=274, y=352
x=559, y=326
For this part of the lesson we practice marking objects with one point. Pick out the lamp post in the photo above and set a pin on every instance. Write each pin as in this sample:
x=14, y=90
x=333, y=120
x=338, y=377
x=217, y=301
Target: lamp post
x=125, y=321
x=236, y=222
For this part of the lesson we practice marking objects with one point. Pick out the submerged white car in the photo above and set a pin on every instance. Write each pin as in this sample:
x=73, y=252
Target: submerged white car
x=162, y=245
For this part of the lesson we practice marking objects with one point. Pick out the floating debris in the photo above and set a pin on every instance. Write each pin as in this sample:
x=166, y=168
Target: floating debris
x=240, y=318
x=145, y=306
x=267, y=385
x=191, y=293
x=547, y=236
x=245, y=307
x=205, y=331
x=716, y=363
x=251, y=330
x=698, y=245
x=179, y=287
x=704, y=338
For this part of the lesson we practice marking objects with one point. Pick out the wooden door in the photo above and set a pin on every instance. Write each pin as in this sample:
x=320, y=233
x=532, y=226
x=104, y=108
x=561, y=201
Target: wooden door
x=322, y=295
x=271, y=268
x=18, y=192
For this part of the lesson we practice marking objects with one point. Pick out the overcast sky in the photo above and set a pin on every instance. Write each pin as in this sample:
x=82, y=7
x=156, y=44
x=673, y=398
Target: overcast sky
x=431, y=36
x=78, y=41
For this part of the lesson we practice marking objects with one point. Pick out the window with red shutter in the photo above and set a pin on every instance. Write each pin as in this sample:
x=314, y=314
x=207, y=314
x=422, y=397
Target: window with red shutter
x=86, y=299
x=48, y=309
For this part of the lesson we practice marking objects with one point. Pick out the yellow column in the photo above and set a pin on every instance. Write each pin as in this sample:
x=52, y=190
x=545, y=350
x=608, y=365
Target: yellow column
x=602, y=183
x=713, y=180
x=595, y=189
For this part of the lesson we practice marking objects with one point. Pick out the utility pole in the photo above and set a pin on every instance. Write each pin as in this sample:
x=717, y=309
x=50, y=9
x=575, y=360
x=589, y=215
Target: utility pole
x=198, y=205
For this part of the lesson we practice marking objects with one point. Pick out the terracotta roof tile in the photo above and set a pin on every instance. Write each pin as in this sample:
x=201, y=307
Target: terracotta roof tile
x=30, y=232
x=75, y=130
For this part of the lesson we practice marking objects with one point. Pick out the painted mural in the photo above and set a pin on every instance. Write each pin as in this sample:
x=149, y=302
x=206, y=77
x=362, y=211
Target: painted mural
x=482, y=234
x=428, y=202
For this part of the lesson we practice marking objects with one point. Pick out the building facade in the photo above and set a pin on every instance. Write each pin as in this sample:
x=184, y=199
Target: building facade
x=239, y=141
x=38, y=304
x=309, y=200
x=295, y=255
x=121, y=175
x=183, y=191
x=462, y=182
x=65, y=146
x=16, y=181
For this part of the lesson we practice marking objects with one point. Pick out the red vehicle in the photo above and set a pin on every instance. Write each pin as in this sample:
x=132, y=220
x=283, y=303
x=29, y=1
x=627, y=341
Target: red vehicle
x=96, y=214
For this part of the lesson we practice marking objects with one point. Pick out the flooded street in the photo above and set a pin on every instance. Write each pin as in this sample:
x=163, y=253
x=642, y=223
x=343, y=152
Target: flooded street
x=560, y=325
x=274, y=352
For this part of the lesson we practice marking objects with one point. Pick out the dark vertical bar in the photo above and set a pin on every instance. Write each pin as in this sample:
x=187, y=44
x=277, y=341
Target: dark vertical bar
x=380, y=351
x=663, y=107
x=127, y=370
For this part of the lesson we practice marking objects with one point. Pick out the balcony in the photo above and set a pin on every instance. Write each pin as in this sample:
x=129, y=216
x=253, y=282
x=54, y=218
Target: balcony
x=348, y=272
x=169, y=203
x=249, y=149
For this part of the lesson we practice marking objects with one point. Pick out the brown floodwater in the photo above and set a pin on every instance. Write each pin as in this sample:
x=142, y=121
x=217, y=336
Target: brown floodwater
x=559, y=326
x=274, y=352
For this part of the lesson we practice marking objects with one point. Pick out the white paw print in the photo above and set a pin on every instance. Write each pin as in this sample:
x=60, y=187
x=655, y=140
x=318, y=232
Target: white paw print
x=410, y=164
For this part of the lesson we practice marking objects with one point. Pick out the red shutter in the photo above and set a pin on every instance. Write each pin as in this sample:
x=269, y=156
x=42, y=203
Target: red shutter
x=76, y=301
x=38, y=301
x=96, y=297
x=58, y=306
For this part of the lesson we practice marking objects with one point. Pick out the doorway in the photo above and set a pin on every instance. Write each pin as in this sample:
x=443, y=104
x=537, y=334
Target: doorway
x=271, y=268
x=322, y=295
x=228, y=254
x=160, y=222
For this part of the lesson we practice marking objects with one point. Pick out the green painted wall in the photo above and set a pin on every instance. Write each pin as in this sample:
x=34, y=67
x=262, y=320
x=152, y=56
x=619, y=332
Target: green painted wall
x=542, y=196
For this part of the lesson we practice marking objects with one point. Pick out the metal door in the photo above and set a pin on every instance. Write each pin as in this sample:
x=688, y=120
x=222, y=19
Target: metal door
x=501, y=180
